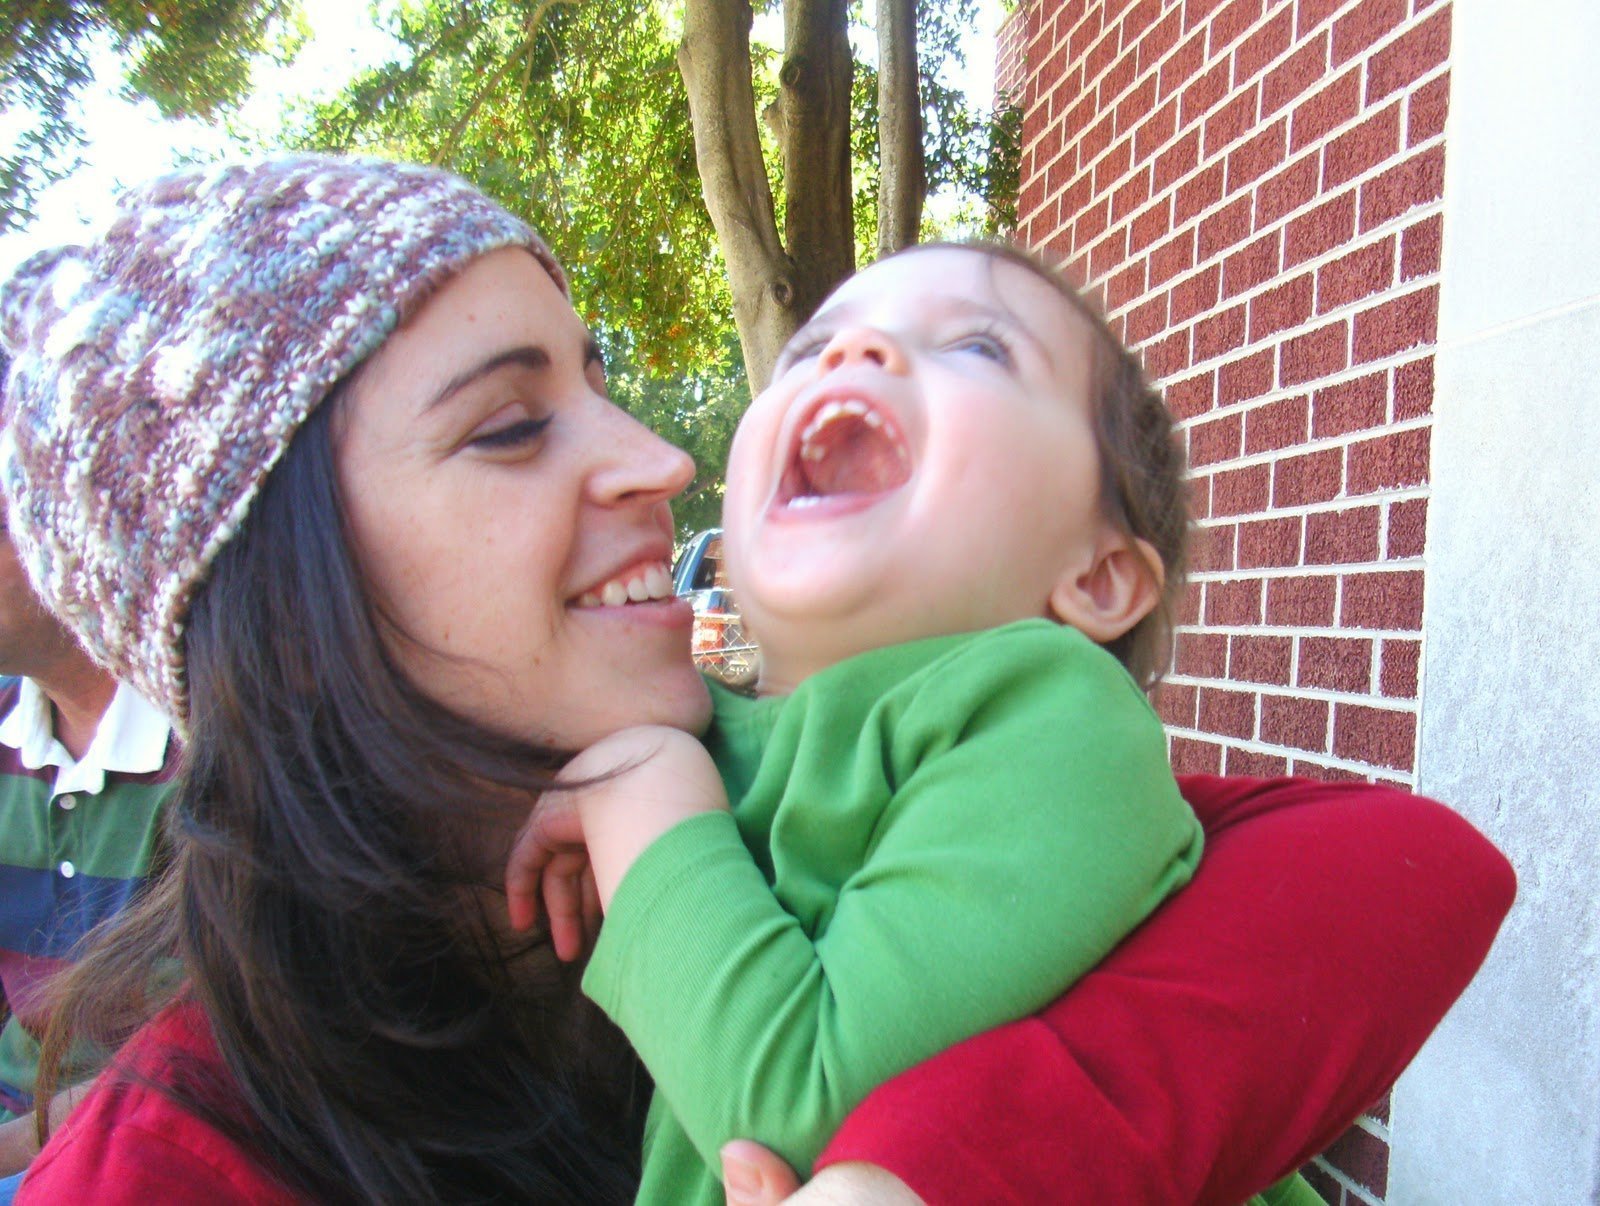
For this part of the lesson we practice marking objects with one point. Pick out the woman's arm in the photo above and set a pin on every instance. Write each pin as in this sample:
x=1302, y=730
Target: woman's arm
x=1233, y=1036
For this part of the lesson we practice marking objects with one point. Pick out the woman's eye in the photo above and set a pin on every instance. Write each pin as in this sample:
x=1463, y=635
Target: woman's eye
x=512, y=435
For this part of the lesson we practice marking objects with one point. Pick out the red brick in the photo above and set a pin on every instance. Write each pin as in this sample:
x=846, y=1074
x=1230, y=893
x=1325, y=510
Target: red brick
x=1391, y=600
x=1270, y=543
x=1196, y=294
x=1182, y=65
x=1191, y=396
x=1168, y=356
x=1427, y=110
x=1245, y=378
x=1377, y=737
x=1227, y=228
x=1296, y=75
x=1147, y=320
x=1417, y=181
x=1196, y=11
x=1400, y=672
x=1328, y=774
x=1236, y=602
x=1261, y=47
x=1115, y=82
x=1308, y=14
x=1409, y=57
x=1314, y=355
x=1240, y=491
x=1201, y=655
x=1189, y=601
x=1394, y=326
x=1155, y=131
x=1203, y=94
x=1177, y=161
x=1360, y=274
x=1109, y=253
x=1095, y=141
x=1286, y=191
x=1312, y=478
x=1092, y=223
x=1219, y=334
x=1256, y=264
x=1320, y=230
x=1190, y=757
x=1390, y=461
x=1255, y=765
x=1227, y=713
x=1413, y=389
x=1364, y=147
x=1201, y=191
x=1365, y=24
x=1356, y=405
x=1176, y=704
x=1113, y=165
x=1330, y=108
x=1217, y=440
x=1277, y=309
x=1150, y=225
x=1161, y=38
x=1408, y=528
x=1258, y=156
x=1124, y=286
x=1342, y=537
x=1230, y=23
x=1260, y=659
x=1231, y=122
x=1172, y=257
x=1280, y=424
x=1301, y=602
x=1100, y=55
x=1301, y=724
x=1420, y=248
x=1211, y=550
x=1335, y=664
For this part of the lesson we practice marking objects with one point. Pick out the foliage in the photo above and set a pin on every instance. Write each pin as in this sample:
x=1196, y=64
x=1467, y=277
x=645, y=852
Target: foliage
x=193, y=59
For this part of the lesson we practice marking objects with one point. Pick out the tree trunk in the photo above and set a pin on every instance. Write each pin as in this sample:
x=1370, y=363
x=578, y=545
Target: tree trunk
x=812, y=120
x=902, y=185
x=714, y=60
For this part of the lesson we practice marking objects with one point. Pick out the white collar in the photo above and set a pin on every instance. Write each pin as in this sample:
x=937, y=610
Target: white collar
x=130, y=739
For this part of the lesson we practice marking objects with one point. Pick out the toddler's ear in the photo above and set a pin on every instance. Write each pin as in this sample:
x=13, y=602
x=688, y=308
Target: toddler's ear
x=1119, y=588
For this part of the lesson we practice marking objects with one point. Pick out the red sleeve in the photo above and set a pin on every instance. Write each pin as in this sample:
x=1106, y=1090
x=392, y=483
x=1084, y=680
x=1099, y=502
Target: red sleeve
x=1233, y=1036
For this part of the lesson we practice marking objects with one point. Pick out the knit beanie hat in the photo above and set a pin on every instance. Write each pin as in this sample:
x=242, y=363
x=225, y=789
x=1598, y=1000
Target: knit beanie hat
x=159, y=373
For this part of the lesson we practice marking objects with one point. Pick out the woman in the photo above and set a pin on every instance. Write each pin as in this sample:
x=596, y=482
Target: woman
x=317, y=453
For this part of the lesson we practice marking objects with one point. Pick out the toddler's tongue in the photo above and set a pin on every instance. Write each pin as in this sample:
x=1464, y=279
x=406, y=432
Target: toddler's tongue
x=851, y=456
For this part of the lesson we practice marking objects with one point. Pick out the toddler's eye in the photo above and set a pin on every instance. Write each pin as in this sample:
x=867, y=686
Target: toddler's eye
x=511, y=435
x=990, y=347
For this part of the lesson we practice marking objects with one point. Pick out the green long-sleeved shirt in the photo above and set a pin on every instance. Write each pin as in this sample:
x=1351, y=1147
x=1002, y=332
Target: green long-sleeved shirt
x=926, y=841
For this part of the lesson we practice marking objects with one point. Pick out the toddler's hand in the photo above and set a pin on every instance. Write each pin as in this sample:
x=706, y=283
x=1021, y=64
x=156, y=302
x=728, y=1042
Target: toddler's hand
x=548, y=858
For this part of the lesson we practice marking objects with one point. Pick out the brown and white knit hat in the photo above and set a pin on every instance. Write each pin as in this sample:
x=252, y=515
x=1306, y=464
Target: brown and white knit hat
x=159, y=373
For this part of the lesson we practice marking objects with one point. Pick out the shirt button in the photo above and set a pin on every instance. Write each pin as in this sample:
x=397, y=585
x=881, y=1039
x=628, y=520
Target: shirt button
x=68, y=870
x=68, y=803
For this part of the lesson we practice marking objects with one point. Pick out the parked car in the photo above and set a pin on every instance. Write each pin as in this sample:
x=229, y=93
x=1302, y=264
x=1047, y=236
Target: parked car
x=719, y=644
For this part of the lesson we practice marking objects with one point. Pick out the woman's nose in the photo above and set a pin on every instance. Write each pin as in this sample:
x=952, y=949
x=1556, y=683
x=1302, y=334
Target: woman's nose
x=862, y=344
x=635, y=464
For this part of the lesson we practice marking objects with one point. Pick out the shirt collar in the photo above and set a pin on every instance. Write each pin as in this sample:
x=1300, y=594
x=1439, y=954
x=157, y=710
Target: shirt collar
x=131, y=739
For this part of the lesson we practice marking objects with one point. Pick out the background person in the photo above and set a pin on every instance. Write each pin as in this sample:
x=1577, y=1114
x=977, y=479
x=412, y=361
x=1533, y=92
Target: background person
x=370, y=615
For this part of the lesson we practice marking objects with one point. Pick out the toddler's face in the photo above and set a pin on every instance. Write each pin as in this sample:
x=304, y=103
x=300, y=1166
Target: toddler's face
x=923, y=463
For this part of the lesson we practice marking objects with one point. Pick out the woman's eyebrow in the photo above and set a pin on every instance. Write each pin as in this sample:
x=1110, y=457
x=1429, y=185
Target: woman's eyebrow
x=528, y=356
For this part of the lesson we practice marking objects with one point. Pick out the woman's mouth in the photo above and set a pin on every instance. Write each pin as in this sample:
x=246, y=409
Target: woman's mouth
x=643, y=583
x=848, y=447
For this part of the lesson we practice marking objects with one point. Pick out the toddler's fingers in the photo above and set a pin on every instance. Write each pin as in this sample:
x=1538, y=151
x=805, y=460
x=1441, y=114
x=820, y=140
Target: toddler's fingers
x=563, y=903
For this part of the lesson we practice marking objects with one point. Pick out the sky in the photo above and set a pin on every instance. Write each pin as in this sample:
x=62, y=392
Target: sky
x=129, y=141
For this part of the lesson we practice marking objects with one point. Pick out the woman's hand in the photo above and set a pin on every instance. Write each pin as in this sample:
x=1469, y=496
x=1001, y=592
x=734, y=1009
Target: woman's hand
x=755, y=1176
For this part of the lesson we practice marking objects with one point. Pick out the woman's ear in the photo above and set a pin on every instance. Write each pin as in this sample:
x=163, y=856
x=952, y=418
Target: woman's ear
x=1120, y=587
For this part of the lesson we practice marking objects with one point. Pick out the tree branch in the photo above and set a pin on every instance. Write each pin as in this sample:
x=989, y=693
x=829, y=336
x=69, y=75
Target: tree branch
x=902, y=183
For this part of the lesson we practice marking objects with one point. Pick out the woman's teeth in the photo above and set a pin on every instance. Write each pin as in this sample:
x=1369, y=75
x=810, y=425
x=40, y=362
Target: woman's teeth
x=654, y=582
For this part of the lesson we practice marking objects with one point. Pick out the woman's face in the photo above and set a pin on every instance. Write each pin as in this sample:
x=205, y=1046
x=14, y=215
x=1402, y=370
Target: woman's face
x=511, y=522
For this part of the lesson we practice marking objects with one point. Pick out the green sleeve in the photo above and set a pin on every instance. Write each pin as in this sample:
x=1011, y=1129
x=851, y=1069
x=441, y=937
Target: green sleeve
x=1034, y=823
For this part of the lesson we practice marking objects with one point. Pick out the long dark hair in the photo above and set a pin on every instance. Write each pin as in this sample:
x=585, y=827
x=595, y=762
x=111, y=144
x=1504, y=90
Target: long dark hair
x=333, y=851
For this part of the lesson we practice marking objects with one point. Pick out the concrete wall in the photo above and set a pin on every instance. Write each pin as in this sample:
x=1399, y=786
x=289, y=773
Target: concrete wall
x=1503, y=1105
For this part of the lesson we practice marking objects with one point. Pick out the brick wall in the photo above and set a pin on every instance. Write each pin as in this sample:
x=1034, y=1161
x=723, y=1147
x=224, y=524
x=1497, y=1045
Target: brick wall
x=1253, y=188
